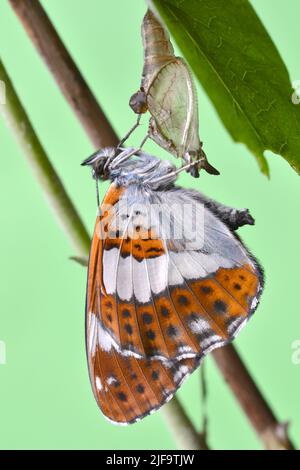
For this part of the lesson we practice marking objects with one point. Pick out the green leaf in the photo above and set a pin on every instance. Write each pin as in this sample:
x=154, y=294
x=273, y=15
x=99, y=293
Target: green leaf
x=239, y=67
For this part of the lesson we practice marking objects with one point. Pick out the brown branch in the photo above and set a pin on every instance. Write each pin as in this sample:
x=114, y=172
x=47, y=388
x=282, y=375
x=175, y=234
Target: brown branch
x=65, y=72
x=271, y=432
x=181, y=426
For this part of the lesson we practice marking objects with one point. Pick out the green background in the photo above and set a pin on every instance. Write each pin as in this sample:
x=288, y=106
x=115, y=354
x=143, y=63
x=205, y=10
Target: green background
x=45, y=395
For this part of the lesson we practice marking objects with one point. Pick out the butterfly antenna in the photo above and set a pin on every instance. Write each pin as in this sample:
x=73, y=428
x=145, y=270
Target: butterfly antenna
x=97, y=194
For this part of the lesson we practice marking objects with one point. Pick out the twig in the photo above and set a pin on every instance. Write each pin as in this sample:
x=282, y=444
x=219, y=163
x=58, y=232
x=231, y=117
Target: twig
x=182, y=427
x=272, y=433
x=65, y=71
x=15, y=115
x=18, y=121
x=203, y=394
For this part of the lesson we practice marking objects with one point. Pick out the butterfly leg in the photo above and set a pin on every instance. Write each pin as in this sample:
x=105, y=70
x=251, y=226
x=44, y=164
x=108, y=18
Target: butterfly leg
x=133, y=128
x=122, y=141
x=127, y=153
x=173, y=173
x=233, y=218
x=115, y=157
x=143, y=142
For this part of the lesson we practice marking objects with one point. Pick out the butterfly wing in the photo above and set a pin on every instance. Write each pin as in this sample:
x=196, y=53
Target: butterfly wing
x=128, y=272
x=214, y=282
x=169, y=296
x=158, y=302
x=172, y=103
x=128, y=388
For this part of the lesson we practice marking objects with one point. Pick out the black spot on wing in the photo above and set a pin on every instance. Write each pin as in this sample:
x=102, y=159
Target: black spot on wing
x=126, y=313
x=150, y=334
x=140, y=388
x=155, y=375
x=220, y=306
x=172, y=331
x=122, y=396
x=206, y=289
x=183, y=300
x=165, y=312
x=237, y=286
x=147, y=318
x=128, y=328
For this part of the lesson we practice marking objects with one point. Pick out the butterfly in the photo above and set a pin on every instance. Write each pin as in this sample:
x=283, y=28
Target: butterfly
x=168, y=281
x=167, y=91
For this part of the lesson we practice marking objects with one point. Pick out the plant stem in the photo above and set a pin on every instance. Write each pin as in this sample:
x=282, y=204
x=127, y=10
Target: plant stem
x=272, y=433
x=65, y=71
x=182, y=427
x=17, y=119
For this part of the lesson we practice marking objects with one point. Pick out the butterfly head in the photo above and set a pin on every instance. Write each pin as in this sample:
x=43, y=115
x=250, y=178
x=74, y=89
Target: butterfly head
x=99, y=162
x=127, y=166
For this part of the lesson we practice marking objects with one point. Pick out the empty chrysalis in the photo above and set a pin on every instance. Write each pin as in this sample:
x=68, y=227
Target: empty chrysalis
x=167, y=91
